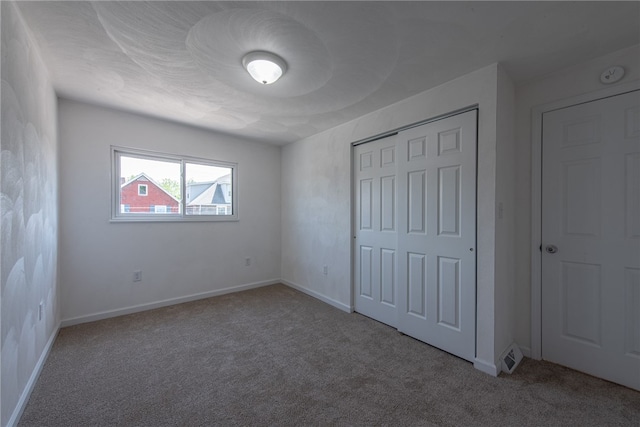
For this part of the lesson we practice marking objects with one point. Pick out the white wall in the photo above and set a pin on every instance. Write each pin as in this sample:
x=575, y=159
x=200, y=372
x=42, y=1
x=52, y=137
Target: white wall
x=316, y=189
x=577, y=80
x=178, y=260
x=29, y=200
x=505, y=220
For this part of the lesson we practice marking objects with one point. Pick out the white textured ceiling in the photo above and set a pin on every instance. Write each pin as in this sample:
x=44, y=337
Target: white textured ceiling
x=182, y=60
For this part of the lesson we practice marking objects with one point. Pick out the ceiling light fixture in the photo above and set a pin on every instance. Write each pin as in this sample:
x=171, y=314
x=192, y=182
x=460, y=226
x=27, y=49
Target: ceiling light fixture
x=264, y=67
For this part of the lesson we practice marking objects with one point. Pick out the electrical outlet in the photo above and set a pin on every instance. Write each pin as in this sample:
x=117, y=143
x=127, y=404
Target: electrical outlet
x=40, y=310
x=137, y=276
x=247, y=262
x=325, y=270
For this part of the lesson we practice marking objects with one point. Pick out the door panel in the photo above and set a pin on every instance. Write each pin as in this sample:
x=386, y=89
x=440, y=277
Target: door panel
x=632, y=196
x=590, y=213
x=448, y=198
x=388, y=203
x=366, y=272
x=416, y=200
x=581, y=287
x=366, y=200
x=632, y=312
x=375, y=230
x=388, y=276
x=437, y=233
x=581, y=197
x=416, y=285
x=449, y=292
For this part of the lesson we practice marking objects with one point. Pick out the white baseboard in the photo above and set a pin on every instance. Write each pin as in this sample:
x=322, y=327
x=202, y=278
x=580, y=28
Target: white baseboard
x=488, y=368
x=164, y=303
x=317, y=295
x=26, y=393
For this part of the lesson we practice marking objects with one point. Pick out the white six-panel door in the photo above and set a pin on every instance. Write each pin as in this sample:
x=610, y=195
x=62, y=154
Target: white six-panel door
x=437, y=233
x=376, y=230
x=415, y=232
x=591, y=238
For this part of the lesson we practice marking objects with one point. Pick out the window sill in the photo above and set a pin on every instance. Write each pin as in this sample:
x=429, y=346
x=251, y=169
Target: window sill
x=165, y=219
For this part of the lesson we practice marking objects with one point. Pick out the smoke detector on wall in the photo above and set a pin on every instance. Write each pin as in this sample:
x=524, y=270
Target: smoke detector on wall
x=612, y=75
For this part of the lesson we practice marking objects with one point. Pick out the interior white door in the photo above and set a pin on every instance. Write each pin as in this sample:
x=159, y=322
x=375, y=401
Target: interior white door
x=376, y=230
x=591, y=238
x=437, y=233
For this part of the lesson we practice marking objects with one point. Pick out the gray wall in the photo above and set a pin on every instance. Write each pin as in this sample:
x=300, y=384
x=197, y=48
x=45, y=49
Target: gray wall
x=29, y=194
x=179, y=261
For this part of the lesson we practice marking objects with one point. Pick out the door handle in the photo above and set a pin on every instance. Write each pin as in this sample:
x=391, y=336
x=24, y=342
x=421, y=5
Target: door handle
x=551, y=249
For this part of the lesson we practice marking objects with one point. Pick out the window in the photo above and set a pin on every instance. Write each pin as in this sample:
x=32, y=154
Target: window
x=151, y=186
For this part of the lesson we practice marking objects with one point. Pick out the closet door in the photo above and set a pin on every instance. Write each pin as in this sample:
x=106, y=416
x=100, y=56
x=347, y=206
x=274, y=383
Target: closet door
x=375, y=230
x=436, y=236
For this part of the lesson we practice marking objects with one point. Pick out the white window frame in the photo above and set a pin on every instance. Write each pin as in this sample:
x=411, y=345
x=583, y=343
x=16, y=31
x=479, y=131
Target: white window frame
x=118, y=216
x=146, y=190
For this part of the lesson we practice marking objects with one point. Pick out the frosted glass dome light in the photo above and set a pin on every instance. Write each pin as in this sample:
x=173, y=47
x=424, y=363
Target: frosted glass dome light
x=264, y=67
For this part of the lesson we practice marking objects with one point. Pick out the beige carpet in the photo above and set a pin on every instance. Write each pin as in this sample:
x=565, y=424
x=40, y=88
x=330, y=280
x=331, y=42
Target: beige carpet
x=274, y=356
